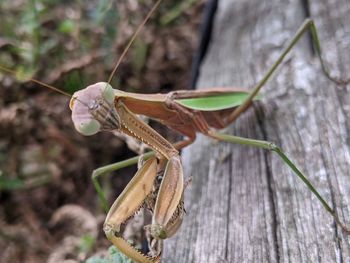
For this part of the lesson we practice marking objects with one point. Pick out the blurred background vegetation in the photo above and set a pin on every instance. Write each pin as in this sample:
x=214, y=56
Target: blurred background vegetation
x=49, y=209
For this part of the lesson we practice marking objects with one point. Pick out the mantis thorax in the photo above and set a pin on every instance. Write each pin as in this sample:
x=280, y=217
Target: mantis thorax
x=105, y=114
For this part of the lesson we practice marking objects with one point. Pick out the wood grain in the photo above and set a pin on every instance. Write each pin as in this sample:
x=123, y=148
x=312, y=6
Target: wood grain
x=244, y=204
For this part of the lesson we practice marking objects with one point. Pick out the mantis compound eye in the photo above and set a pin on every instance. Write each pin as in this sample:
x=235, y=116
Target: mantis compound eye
x=88, y=127
x=84, y=123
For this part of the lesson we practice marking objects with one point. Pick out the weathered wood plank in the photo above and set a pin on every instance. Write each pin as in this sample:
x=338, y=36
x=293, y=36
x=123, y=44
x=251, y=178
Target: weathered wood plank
x=244, y=205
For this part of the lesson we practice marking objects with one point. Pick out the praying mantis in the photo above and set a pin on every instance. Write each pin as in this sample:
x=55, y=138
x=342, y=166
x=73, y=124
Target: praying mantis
x=99, y=107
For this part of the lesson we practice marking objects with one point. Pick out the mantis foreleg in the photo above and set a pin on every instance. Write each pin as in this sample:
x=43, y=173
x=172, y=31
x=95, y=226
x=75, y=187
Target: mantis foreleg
x=123, y=164
x=111, y=168
x=273, y=147
x=308, y=24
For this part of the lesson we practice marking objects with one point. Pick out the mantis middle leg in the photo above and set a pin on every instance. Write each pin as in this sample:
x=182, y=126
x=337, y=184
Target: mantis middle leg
x=273, y=147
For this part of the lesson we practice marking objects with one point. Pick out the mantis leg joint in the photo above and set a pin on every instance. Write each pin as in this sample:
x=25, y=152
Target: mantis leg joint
x=274, y=147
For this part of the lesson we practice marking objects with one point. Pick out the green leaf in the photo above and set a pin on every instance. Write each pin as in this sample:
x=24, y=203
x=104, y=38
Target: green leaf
x=139, y=54
x=10, y=183
x=215, y=102
x=24, y=73
x=86, y=243
x=67, y=26
x=176, y=11
x=103, y=7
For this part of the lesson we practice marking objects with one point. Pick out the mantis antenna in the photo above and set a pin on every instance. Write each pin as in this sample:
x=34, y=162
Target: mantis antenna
x=44, y=85
x=132, y=40
x=38, y=82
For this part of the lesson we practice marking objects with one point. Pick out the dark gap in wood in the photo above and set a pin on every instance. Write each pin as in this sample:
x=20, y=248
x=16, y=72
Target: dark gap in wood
x=307, y=14
x=306, y=7
x=228, y=210
x=205, y=33
x=259, y=116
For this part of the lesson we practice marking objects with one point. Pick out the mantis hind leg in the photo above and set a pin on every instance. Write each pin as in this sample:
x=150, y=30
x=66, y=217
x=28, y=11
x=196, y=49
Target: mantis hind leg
x=272, y=147
x=308, y=24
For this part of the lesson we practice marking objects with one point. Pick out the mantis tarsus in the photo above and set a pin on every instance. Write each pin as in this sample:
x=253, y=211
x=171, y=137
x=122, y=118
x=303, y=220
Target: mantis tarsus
x=99, y=107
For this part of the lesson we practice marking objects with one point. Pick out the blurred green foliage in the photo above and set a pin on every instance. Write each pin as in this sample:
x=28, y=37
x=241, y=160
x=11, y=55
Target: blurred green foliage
x=39, y=36
x=86, y=243
x=114, y=256
x=7, y=183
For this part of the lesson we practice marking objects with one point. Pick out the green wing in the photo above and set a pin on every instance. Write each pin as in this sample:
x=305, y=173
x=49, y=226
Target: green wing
x=215, y=102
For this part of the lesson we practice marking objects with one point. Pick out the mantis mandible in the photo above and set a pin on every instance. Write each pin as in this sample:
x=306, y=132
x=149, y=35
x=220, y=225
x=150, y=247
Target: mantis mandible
x=99, y=107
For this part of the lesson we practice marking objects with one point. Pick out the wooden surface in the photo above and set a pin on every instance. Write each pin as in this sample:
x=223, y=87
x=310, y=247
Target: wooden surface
x=244, y=204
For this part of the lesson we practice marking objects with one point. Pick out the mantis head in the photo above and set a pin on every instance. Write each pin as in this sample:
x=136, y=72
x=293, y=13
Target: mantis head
x=93, y=109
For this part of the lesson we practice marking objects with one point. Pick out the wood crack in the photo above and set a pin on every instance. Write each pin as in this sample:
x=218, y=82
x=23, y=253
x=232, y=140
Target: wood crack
x=228, y=210
x=258, y=112
x=307, y=14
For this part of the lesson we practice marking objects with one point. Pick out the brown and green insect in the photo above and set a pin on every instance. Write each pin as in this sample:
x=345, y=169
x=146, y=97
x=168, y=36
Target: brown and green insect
x=159, y=183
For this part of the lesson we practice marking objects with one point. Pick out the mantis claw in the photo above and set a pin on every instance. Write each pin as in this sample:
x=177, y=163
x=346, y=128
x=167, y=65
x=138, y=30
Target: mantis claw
x=128, y=249
x=126, y=205
x=169, y=211
x=155, y=245
x=163, y=196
